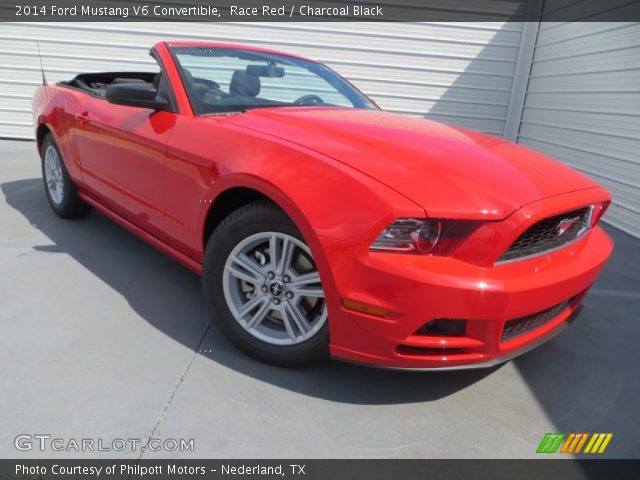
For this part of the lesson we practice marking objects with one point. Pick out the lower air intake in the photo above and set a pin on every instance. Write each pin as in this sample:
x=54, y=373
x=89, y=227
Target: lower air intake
x=519, y=326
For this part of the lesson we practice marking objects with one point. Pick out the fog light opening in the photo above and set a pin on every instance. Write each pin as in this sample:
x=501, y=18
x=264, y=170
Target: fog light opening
x=443, y=327
x=410, y=351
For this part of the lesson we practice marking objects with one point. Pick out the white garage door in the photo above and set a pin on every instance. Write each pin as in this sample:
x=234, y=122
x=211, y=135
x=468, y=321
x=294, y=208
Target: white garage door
x=583, y=107
x=456, y=73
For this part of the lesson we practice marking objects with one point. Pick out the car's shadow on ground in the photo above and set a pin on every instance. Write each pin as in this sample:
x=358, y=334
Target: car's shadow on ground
x=166, y=291
x=587, y=379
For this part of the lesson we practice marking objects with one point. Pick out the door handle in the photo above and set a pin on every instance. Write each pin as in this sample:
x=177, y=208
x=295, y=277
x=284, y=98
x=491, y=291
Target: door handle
x=82, y=118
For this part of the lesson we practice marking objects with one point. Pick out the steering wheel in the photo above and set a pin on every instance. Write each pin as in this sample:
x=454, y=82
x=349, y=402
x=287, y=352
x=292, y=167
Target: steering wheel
x=308, y=100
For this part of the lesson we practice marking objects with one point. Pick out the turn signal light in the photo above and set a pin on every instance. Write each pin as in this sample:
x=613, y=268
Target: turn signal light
x=365, y=308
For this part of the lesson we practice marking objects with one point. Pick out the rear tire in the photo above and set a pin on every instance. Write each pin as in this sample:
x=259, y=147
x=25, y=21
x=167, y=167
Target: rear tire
x=60, y=190
x=262, y=287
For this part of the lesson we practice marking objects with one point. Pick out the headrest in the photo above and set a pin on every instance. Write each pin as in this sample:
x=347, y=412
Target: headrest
x=243, y=85
x=188, y=76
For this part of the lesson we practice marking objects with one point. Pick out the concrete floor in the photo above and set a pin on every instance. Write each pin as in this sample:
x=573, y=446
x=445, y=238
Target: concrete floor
x=102, y=336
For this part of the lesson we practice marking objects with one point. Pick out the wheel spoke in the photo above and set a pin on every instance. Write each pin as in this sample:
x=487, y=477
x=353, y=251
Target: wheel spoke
x=250, y=305
x=260, y=314
x=273, y=251
x=241, y=275
x=293, y=312
x=310, y=278
x=307, y=285
x=315, y=292
x=285, y=257
x=288, y=321
x=307, y=278
x=243, y=268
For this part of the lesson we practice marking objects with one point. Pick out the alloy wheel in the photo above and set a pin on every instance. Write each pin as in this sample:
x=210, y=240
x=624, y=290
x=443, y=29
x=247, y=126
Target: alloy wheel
x=53, y=175
x=273, y=289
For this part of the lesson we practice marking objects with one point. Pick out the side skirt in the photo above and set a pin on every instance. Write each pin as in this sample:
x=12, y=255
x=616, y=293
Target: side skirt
x=188, y=262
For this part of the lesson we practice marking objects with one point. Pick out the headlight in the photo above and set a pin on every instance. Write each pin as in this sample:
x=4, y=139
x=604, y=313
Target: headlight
x=428, y=236
x=408, y=234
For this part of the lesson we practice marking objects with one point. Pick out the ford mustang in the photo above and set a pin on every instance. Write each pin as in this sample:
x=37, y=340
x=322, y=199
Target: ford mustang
x=321, y=225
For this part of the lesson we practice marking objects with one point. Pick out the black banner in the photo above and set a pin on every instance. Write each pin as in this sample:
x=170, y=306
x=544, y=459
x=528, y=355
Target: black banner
x=318, y=10
x=592, y=469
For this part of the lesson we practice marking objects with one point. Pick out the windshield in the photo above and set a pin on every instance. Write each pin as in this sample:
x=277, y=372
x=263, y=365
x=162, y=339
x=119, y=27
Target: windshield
x=223, y=80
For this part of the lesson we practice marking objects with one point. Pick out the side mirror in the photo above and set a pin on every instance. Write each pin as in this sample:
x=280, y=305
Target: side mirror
x=142, y=95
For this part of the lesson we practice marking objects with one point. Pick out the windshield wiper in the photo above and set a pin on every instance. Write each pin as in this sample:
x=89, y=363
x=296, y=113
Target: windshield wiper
x=229, y=112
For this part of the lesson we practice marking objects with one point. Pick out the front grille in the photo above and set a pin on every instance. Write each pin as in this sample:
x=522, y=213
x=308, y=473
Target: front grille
x=547, y=234
x=519, y=326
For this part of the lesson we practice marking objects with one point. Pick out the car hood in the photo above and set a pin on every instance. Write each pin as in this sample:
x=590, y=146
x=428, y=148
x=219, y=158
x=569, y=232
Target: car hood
x=449, y=171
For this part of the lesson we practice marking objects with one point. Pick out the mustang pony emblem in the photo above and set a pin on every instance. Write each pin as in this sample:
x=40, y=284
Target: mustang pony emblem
x=565, y=224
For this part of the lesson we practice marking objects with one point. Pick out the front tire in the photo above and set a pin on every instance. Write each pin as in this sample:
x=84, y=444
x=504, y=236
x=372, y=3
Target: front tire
x=60, y=190
x=263, y=289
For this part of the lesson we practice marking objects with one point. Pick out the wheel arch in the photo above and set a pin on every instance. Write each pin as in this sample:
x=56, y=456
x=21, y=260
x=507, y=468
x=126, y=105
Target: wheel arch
x=234, y=191
x=46, y=126
x=226, y=203
x=41, y=132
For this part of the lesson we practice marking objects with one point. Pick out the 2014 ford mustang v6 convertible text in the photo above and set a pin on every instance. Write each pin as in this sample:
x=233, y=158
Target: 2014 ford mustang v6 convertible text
x=321, y=225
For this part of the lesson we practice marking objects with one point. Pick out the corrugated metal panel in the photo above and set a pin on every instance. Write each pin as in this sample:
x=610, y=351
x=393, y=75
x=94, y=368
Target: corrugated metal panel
x=583, y=107
x=457, y=73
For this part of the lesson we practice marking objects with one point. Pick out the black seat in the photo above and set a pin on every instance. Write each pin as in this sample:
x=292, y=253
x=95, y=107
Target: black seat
x=244, y=85
x=162, y=86
x=196, y=88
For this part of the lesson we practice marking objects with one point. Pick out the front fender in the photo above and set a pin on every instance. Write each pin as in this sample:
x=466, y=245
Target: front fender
x=331, y=203
x=325, y=198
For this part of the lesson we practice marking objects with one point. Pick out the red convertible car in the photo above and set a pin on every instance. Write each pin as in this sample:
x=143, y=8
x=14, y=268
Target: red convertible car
x=321, y=225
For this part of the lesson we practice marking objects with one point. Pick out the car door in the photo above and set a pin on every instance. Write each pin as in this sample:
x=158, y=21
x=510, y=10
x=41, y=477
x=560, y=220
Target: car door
x=121, y=151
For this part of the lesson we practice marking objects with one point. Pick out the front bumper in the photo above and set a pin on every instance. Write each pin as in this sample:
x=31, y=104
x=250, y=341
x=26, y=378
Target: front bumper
x=498, y=360
x=415, y=289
